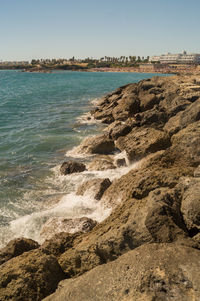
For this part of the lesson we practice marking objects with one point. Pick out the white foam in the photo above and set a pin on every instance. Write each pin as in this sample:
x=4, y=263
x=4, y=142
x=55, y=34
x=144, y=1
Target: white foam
x=70, y=206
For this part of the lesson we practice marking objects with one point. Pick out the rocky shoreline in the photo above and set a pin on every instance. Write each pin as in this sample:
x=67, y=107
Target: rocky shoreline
x=149, y=246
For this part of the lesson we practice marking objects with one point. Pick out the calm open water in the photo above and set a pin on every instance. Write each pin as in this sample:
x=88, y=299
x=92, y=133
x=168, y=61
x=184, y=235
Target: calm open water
x=38, y=125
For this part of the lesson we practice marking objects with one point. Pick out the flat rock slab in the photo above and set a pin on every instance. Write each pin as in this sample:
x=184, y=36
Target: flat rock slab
x=150, y=272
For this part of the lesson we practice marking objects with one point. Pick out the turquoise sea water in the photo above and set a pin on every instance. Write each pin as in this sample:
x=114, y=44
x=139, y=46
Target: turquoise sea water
x=38, y=125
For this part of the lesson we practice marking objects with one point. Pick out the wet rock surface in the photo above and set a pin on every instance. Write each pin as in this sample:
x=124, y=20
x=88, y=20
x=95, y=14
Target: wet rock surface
x=70, y=167
x=94, y=187
x=149, y=246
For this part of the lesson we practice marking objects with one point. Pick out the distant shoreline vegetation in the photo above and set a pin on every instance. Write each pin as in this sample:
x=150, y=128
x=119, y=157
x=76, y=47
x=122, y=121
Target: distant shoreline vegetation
x=104, y=64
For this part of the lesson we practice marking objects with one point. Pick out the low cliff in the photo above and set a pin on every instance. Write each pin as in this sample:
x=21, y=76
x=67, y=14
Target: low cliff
x=149, y=247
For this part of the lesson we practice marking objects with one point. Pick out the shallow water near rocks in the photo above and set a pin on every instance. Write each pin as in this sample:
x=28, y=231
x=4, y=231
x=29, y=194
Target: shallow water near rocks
x=42, y=118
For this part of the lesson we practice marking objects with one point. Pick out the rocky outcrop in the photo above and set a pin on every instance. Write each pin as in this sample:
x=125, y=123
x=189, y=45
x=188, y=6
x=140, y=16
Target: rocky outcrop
x=150, y=272
x=95, y=187
x=70, y=167
x=17, y=247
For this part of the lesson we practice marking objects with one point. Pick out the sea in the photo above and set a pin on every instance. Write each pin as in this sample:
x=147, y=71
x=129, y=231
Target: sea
x=43, y=118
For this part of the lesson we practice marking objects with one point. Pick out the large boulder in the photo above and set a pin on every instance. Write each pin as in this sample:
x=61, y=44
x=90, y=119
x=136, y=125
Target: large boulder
x=147, y=101
x=150, y=272
x=70, y=167
x=142, y=141
x=95, y=187
x=100, y=144
x=17, y=247
x=30, y=276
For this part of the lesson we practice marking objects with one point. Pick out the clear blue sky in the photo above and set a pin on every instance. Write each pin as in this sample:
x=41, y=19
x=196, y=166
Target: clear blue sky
x=95, y=28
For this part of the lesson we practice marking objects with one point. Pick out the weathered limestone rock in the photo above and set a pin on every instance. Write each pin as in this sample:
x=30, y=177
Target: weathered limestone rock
x=17, y=247
x=186, y=143
x=96, y=187
x=184, y=118
x=147, y=101
x=150, y=272
x=60, y=243
x=70, y=167
x=30, y=276
x=142, y=141
x=101, y=144
x=197, y=172
x=190, y=206
x=59, y=224
x=127, y=106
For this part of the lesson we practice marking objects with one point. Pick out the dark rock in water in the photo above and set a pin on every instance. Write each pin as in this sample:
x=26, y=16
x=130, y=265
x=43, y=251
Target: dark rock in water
x=150, y=272
x=96, y=187
x=59, y=224
x=71, y=167
x=102, y=162
x=121, y=162
x=142, y=141
x=101, y=144
x=30, y=276
x=17, y=247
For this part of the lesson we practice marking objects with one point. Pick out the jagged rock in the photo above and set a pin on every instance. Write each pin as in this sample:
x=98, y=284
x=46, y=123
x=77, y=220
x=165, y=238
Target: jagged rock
x=101, y=163
x=70, y=167
x=150, y=272
x=152, y=117
x=30, y=276
x=127, y=106
x=197, y=172
x=186, y=143
x=101, y=144
x=142, y=141
x=60, y=242
x=184, y=118
x=147, y=101
x=190, y=207
x=119, y=130
x=96, y=187
x=17, y=247
x=71, y=225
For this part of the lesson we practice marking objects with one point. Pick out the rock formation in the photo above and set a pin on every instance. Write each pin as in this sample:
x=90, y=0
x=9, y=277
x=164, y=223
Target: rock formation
x=149, y=246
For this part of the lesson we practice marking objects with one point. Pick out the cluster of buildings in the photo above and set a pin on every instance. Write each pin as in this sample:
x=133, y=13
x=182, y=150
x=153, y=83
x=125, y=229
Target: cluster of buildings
x=179, y=58
x=14, y=63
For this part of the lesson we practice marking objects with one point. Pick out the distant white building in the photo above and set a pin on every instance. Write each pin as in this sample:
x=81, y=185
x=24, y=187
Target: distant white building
x=179, y=58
